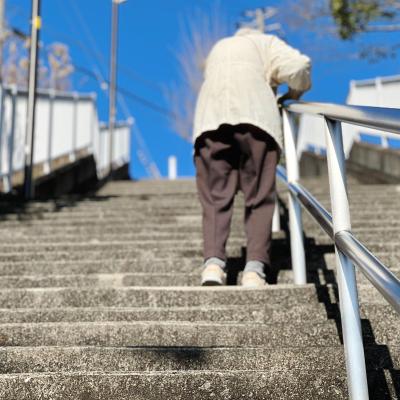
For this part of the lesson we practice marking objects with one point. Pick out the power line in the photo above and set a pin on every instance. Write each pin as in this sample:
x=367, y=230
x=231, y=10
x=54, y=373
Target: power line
x=144, y=155
x=129, y=94
x=91, y=53
x=147, y=103
x=95, y=51
x=104, y=86
x=94, y=54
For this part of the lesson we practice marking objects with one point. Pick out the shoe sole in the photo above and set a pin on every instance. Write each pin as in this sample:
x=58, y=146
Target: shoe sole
x=211, y=283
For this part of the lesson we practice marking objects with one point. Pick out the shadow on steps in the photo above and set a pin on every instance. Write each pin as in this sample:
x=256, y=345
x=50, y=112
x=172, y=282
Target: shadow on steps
x=378, y=357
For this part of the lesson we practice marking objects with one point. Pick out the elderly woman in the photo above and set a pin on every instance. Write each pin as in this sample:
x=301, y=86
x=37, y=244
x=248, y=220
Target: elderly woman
x=238, y=140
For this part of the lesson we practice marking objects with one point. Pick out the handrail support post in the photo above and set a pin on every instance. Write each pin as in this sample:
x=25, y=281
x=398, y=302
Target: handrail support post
x=295, y=218
x=348, y=296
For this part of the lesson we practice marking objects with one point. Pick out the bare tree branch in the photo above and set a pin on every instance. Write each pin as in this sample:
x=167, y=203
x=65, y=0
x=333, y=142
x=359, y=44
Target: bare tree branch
x=199, y=33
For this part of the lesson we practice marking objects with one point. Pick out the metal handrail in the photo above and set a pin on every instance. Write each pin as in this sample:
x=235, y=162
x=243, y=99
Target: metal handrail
x=315, y=209
x=385, y=119
x=349, y=251
x=376, y=272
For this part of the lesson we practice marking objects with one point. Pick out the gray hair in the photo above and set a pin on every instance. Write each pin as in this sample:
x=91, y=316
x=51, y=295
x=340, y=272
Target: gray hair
x=247, y=31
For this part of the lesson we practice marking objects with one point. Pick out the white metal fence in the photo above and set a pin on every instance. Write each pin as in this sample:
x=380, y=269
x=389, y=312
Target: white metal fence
x=67, y=127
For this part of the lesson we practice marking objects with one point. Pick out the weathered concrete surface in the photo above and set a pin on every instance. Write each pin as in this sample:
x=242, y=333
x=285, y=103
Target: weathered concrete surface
x=168, y=334
x=246, y=314
x=125, y=359
x=224, y=385
x=378, y=164
x=369, y=163
x=284, y=295
x=98, y=300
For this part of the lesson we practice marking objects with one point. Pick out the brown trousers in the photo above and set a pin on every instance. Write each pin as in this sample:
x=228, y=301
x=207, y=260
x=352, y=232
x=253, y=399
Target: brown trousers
x=240, y=157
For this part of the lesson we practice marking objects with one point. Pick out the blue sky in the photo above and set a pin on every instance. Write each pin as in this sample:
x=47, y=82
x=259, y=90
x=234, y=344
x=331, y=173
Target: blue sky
x=150, y=33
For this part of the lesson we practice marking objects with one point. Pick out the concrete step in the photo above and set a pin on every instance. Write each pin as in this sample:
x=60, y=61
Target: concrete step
x=166, y=334
x=171, y=245
x=373, y=245
x=13, y=239
x=111, y=359
x=180, y=242
x=102, y=237
x=161, y=208
x=101, y=266
x=244, y=314
x=100, y=280
x=62, y=277
x=116, y=209
x=124, y=254
x=32, y=232
x=357, y=224
x=87, y=230
x=391, y=260
x=284, y=295
x=195, y=385
x=155, y=266
x=175, y=254
x=127, y=261
x=129, y=214
x=320, y=276
x=190, y=224
x=112, y=247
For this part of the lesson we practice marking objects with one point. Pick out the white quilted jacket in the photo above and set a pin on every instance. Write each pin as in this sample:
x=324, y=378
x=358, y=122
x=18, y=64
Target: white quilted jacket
x=241, y=75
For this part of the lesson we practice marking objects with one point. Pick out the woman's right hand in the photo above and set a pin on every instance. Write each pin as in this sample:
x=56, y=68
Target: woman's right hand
x=290, y=95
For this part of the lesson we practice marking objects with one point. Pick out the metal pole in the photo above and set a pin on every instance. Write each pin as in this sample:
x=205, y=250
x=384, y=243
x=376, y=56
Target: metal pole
x=52, y=96
x=295, y=220
x=2, y=152
x=348, y=296
x=113, y=77
x=72, y=154
x=93, y=136
x=2, y=35
x=11, y=138
x=276, y=220
x=172, y=168
x=29, y=190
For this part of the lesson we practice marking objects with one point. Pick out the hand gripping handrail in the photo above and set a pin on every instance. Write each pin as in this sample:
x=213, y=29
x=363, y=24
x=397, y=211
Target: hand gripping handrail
x=349, y=250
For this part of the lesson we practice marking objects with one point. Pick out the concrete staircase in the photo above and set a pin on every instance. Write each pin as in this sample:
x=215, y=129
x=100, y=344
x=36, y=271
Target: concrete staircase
x=99, y=300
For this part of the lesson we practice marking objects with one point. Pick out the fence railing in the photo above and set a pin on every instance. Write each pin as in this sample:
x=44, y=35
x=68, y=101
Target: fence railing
x=349, y=251
x=67, y=127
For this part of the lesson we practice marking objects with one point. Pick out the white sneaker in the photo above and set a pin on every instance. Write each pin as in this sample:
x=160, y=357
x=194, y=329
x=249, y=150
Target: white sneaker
x=213, y=275
x=252, y=280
